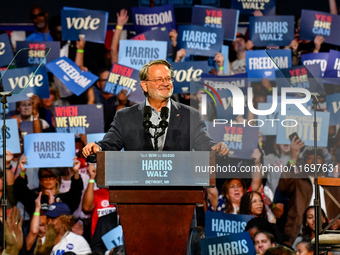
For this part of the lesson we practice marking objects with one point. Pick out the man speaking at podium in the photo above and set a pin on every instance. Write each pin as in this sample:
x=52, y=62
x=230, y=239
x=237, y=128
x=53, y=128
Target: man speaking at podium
x=184, y=130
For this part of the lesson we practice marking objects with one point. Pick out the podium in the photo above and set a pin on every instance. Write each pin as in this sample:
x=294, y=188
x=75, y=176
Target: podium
x=156, y=194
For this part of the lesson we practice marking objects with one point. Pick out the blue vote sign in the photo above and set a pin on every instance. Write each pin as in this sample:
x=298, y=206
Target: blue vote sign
x=16, y=79
x=89, y=24
x=6, y=52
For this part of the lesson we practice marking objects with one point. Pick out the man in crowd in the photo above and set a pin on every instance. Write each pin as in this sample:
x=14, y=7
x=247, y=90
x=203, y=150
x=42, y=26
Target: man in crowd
x=127, y=129
x=39, y=18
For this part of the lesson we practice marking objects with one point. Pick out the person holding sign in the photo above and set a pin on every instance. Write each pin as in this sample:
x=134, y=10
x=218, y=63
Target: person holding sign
x=186, y=130
x=230, y=199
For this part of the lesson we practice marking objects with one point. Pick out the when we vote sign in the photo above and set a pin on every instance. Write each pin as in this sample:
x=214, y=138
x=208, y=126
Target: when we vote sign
x=296, y=121
x=145, y=18
x=159, y=34
x=333, y=107
x=241, y=140
x=122, y=77
x=221, y=224
x=271, y=30
x=36, y=53
x=49, y=150
x=247, y=7
x=71, y=75
x=90, y=24
x=135, y=54
x=79, y=119
x=316, y=58
x=185, y=72
x=12, y=137
x=216, y=18
x=6, y=52
x=240, y=244
x=314, y=23
x=259, y=65
x=200, y=40
x=16, y=79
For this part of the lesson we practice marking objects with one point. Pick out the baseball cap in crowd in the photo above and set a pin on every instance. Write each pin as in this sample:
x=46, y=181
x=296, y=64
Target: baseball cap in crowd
x=240, y=35
x=56, y=209
x=310, y=151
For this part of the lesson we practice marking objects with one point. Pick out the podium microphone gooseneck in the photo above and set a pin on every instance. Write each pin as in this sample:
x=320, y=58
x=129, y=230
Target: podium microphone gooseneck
x=163, y=124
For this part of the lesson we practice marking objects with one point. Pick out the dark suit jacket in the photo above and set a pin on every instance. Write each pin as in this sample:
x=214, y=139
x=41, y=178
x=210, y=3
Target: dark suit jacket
x=298, y=188
x=186, y=131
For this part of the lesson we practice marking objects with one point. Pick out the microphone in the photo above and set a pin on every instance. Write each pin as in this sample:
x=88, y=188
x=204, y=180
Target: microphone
x=164, y=115
x=147, y=115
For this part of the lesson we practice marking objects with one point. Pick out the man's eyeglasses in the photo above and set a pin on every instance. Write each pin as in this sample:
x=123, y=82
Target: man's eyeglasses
x=160, y=81
x=34, y=16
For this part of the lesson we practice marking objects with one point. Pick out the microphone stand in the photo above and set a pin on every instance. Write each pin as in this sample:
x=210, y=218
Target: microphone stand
x=316, y=184
x=4, y=96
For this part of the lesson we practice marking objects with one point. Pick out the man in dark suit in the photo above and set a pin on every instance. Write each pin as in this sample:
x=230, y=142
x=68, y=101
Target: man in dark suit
x=186, y=130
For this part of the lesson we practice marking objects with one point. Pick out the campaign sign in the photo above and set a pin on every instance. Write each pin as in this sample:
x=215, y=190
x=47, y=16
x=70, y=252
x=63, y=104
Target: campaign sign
x=185, y=72
x=221, y=224
x=71, y=75
x=49, y=150
x=6, y=52
x=314, y=23
x=12, y=137
x=94, y=137
x=137, y=96
x=332, y=73
x=145, y=18
x=26, y=127
x=122, y=77
x=271, y=30
x=333, y=106
x=225, y=110
x=296, y=121
x=216, y=18
x=240, y=244
x=36, y=53
x=268, y=123
x=79, y=119
x=161, y=34
x=316, y=58
x=220, y=82
x=300, y=77
x=113, y=238
x=16, y=79
x=90, y=24
x=259, y=65
x=200, y=40
x=135, y=54
x=247, y=7
x=241, y=140
x=179, y=4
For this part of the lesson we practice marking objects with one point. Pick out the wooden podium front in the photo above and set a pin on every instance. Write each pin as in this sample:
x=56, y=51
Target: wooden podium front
x=155, y=219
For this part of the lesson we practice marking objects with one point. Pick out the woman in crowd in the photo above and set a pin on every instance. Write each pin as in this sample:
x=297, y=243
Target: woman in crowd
x=308, y=225
x=252, y=204
x=59, y=215
x=229, y=200
x=49, y=180
x=305, y=247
